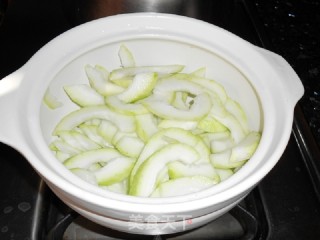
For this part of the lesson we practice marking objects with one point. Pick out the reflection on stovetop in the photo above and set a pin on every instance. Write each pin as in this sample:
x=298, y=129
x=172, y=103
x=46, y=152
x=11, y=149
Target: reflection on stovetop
x=285, y=205
x=239, y=224
x=226, y=226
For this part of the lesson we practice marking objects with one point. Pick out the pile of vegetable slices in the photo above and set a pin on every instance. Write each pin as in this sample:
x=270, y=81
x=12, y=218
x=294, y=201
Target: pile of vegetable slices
x=151, y=131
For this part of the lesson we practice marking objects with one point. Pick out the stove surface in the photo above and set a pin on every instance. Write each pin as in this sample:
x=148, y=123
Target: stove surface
x=285, y=205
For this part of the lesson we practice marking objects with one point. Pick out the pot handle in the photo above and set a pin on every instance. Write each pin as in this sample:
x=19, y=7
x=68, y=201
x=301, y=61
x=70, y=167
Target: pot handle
x=291, y=82
x=9, y=87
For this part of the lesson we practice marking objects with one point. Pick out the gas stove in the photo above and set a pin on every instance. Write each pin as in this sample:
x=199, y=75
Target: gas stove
x=285, y=205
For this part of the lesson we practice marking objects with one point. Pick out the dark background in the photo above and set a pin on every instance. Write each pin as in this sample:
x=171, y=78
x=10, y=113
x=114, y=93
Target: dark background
x=289, y=194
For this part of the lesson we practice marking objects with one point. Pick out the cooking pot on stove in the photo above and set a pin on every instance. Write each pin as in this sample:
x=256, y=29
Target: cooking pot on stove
x=261, y=81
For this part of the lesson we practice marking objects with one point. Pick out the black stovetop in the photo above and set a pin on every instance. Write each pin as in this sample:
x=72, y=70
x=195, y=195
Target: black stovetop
x=285, y=205
x=293, y=29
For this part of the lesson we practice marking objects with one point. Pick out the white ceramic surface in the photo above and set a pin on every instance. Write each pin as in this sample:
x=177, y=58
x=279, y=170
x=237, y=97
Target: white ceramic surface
x=260, y=80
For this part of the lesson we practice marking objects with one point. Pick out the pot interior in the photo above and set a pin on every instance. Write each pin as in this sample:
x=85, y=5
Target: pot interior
x=147, y=51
